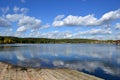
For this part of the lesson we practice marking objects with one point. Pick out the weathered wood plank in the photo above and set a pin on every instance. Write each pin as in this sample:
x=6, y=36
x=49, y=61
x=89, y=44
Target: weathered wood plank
x=3, y=71
x=49, y=75
x=58, y=75
x=72, y=77
x=43, y=75
x=34, y=74
x=5, y=75
x=27, y=76
x=9, y=72
x=20, y=75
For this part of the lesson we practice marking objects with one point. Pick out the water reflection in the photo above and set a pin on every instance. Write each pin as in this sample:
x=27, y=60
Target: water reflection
x=87, y=57
x=29, y=62
x=90, y=66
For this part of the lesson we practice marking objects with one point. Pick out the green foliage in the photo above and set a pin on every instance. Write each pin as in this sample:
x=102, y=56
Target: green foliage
x=11, y=40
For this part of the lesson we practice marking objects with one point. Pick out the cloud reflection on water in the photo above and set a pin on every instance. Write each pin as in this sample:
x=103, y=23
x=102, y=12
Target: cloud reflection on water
x=87, y=57
x=90, y=66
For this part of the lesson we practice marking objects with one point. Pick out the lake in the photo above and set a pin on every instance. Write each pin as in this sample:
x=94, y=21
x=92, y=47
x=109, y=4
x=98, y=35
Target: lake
x=101, y=60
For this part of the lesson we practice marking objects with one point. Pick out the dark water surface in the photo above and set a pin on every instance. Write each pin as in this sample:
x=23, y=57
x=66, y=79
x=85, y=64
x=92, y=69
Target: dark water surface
x=102, y=60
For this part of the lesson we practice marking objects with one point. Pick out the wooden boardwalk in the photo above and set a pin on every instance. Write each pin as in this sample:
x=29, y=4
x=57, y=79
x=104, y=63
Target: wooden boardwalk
x=8, y=72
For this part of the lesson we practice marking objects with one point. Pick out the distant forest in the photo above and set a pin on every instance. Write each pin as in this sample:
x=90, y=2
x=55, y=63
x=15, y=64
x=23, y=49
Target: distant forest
x=12, y=40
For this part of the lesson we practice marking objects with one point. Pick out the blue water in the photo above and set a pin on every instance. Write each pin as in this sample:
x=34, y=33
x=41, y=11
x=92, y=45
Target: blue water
x=101, y=60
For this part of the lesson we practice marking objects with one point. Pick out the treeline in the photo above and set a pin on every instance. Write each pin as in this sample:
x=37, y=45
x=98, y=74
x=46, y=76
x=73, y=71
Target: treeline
x=12, y=40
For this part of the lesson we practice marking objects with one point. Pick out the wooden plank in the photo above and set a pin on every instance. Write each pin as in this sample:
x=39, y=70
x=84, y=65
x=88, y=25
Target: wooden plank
x=58, y=75
x=13, y=74
x=49, y=74
x=22, y=75
x=6, y=75
x=72, y=77
x=2, y=66
x=3, y=72
x=34, y=74
x=75, y=75
x=8, y=72
x=43, y=75
x=26, y=76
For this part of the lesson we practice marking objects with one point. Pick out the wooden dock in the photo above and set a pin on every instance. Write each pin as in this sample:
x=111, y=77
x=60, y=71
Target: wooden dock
x=8, y=72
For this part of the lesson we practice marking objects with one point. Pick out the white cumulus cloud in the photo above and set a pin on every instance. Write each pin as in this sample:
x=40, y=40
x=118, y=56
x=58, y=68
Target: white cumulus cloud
x=24, y=22
x=29, y=22
x=80, y=21
x=71, y=20
x=112, y=15
x=14, y=17
x=88, y=20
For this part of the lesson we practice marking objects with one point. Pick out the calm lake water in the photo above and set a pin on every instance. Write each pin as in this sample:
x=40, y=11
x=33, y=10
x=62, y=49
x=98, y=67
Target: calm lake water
x=102, y=60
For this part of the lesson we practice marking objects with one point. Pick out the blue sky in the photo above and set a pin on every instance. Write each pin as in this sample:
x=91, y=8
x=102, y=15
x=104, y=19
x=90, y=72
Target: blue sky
x=92, y=19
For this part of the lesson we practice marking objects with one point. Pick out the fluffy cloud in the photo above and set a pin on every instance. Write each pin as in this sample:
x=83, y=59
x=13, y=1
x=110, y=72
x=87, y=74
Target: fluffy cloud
x=34, y=25
x=4, y=22
x=112, y=15
x=117, y=26
x=88, y=20
x=70, y=20
x=24, y=22
x=79, y=20
x=29, y=22
x=14, y=17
